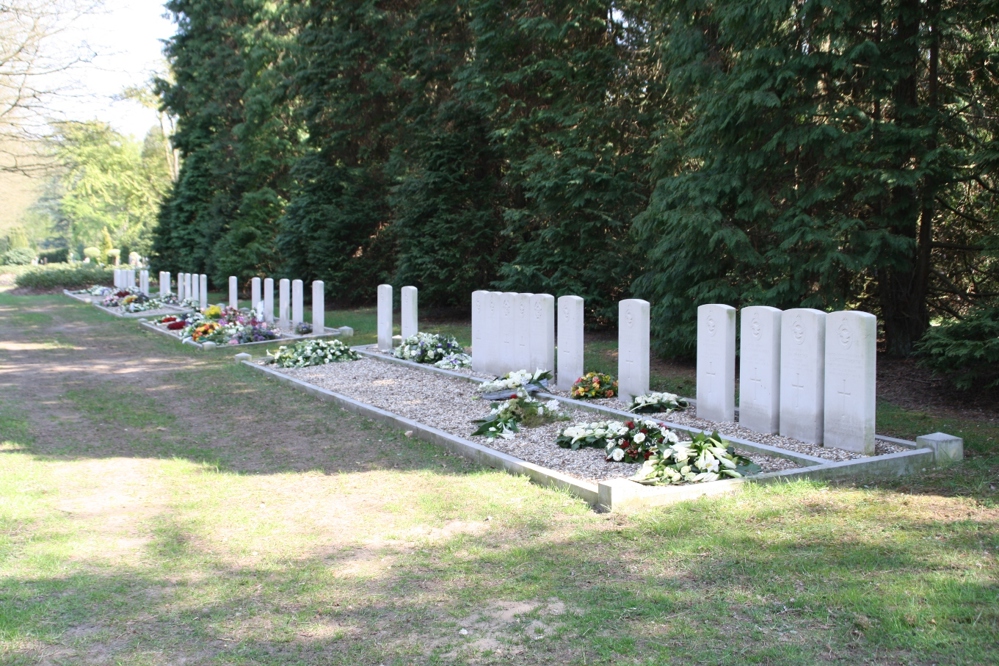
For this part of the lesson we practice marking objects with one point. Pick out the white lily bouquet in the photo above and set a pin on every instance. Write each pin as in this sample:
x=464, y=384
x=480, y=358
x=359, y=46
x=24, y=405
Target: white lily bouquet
x=428, y=347
x=596, y=434
x=505, y=416
x=511, y=382
x=705, y=458
x=652, y=403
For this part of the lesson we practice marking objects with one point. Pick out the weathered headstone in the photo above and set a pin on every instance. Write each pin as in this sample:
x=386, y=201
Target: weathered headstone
x=318, y=307
x=284, y=302
x=570, y=341
x=542, y=333
x=479, y=315
x=269, y=299
x=850, y=378
x=410, y=312
x=522, y=333
x=802, y=377
x=633, y=348
x=254, y=293
x=759, y=369
x=204, y=291
x=716, y=362
x=234, y=292
x=297, y=304
x=385, y=317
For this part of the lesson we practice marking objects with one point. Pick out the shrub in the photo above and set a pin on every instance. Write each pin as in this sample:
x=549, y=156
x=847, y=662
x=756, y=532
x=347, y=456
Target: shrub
x=966, y=352
x=92, y=253
x=57, y=256
x=18, y=256
x=63, y=276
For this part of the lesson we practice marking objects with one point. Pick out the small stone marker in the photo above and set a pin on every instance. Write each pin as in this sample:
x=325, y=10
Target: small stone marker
x=385, y=317
x=946, y=448
x=196, y=289
x=716, y=362
x=346, y=331
x=521, y=330
x=542, y=333
x=632, y=348
x=208, y=345
x=850, y=379
x=318, y=307
x=254, y=293
x=242, y=356
x=570, y=341
x=507, y=352
x=269, y=299
x=204, y=291
x=284, y=301
x=233, y=292
x=297, y=305
x=410, y=312
x=479, y=314
x=759, y=369
x=802, y=376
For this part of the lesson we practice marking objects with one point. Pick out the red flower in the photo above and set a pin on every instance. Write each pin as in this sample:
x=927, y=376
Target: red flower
x=167, y=320
x=513, y=396
x=629, y=424
x=175, y=326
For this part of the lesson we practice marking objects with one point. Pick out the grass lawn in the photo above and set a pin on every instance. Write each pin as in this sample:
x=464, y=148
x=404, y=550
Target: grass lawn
x=162, y=505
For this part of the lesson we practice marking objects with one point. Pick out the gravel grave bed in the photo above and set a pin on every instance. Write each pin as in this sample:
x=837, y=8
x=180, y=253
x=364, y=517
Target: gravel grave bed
x=451, y=404
x=733, y=429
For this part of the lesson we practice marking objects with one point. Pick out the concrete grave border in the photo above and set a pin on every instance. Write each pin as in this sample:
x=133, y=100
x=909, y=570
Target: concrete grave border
x=618, y=494
x=285, y=339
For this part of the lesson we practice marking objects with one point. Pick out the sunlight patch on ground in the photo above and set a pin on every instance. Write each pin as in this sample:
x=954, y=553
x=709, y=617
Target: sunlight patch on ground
x=6, y=345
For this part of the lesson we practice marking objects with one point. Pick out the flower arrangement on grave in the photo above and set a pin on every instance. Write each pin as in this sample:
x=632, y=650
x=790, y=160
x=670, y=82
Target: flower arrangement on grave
x=520, y=407
x=205, y=331
x=231, y=327
x=532, y=382
x=652, y=403
x=303, y=328
x=594, y=385
x=427, y=347
x=213, y=312
x=640, y=441
x=705, y=458
x=454, y=361
x=597, y=434
x=312, y=352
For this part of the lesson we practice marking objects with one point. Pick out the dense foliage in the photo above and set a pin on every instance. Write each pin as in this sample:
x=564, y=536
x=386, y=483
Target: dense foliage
x=829, y=153
x=76, y=276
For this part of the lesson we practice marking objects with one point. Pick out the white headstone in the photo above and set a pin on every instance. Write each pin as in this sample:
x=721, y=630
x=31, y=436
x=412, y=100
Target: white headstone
x=716, y=362
x=268, y=299
x=164, y=283
x=632, y=348
x=196, y=289
x=542, y=333
x=318, y=307
x=297, y=302
x=131, y=278
x=410, y=312
x=494, y=332
x=522, y=332
x=203, y=294
x=759, y=369
x=254, y=293
x=479, y=305
x=144, y=282
x=284, y=301
x=507, y=355
x=802, y=377
x=385, y=317
x=234, y=292
x=570, y=341
x=181, y=287
x=850, y=378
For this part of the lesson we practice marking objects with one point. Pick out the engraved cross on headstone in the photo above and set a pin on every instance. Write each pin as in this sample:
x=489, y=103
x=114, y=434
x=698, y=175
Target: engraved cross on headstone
x=800, y=387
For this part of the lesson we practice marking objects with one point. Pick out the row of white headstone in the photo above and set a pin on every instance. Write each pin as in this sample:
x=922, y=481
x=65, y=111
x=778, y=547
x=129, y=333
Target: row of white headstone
x=190, y=286
x=804, y=373
x=291, y=307
x=410, y=315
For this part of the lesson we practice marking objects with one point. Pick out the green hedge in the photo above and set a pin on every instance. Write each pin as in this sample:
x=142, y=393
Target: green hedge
x=64, y=276
x=965, y=351
x=19, y=256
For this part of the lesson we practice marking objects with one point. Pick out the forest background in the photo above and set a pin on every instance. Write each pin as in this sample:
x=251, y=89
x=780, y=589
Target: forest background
x=794, y=153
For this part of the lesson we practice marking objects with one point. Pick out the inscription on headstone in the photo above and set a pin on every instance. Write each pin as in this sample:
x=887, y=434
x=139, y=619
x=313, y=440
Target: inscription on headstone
x=850, y=379
x=802, y=376
x=716, y=362
x=759, y=369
